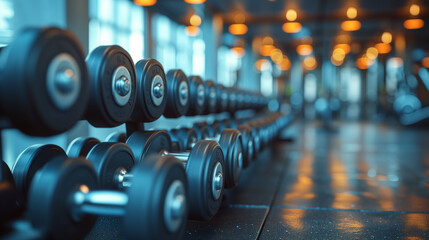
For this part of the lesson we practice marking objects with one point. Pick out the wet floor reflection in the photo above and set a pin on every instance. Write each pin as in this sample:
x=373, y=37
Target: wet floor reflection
x=356, y=177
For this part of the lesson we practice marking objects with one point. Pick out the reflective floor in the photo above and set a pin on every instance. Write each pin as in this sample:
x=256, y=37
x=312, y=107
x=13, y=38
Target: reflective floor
x=355, y=181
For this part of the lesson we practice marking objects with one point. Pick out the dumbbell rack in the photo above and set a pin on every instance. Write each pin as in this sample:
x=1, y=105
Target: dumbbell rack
x=122, y=94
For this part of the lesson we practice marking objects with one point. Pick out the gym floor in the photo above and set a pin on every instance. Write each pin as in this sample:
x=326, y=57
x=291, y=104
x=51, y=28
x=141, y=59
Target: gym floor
x=354, y=181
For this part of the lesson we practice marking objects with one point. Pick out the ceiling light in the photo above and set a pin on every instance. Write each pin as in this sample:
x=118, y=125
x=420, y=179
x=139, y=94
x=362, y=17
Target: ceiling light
x=195, y=20
x=145, y=3
x=192, y=30
x=414, y=9
x=386, y=37
x=414, y=23
x=310, y=63
x=292, y=27
x=350, y=25
x=291, y=15
x=383, y=48
x=304, y=49
x=351, y=13
x=238, y=29
x=195, y=1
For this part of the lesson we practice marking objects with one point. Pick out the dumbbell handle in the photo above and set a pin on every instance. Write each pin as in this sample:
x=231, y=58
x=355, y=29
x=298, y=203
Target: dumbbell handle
x=98, y=202
x=182, y=156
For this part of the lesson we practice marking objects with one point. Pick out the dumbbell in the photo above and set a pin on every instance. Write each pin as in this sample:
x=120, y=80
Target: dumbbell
x=8, y=193
x=230, y=141
x=210, y=97
x=247, y=138
x=204, y=168
x=81, y=146
x=197, y=96
x=113, y=86
x=222, y=98
x=50, y=88
x=232, y=100
x=63, y=201
x=177, y=94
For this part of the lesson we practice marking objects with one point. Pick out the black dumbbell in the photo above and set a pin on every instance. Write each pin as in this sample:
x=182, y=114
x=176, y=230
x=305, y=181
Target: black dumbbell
x=177, y=94
x=8, y=193
x=113, y=86
x=50, y=88
x=210, y=97
x=81, y=146
x=116, y=137
x=204, y=168
x=63, y=202
x=151, y=91
x=232, y=100
x=183, y=143
x=197, y=96
x=222, y=98
x=231, y=143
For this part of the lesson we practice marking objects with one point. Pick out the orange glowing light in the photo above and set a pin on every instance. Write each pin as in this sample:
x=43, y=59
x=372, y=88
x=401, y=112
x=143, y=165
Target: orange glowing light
x=310, y=63
x=363, y=63
x=238, y=29
x=414, y=9
x=195, y=1
x=344, y=46
x=414, y=23
x=425, y=62
x=372, y=53
x=338, y=54
x=145, y=3
x=291, y=15
x=195, y=20
x=285, y=64
x=383, y=48
x=238, y=51
x=304, y=49
x=351, y=13
x=351, y=25
x=276, y=55
x=192, y=30
x=292, y=27
x=336, y=62
x=386, y=37
x=265, y=50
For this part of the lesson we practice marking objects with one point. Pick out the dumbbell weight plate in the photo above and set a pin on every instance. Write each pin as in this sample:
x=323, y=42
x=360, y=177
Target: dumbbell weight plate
x=177, y=94
x=30, y=161
x=222, y=98
x=152, y=88
x=8, y=193
x=116, y=137
x=141, y=143
x=49, y=196
x=200, y=169
x=248, y=145
x=187, y=136
x=108, y=158
x=231, y=144
x=210, y=97
x=50, y=87
x=156, y=180
x=203, y=131
x=232, y=100
x=197, y=96
x=113, y=86
x=81, y=146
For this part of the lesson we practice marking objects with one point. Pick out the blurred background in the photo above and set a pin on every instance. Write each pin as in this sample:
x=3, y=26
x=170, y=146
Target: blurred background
x=328, y=60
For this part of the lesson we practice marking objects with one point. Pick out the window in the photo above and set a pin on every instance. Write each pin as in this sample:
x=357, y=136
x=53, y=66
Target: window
x=117, y=22
x=6, y=16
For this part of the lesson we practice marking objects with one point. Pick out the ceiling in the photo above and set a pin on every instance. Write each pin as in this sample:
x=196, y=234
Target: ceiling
x=321, y=19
